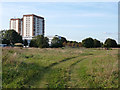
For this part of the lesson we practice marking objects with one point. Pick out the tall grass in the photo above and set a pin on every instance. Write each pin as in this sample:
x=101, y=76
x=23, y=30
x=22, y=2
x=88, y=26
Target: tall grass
x=59, y=68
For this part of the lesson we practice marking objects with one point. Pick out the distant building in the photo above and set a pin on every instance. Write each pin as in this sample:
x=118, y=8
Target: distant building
x=51, y=37
x=29, y=26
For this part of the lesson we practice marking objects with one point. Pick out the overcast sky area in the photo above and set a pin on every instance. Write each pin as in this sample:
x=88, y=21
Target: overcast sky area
x=73, y=20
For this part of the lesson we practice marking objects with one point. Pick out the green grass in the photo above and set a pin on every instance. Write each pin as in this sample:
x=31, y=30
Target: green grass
x=59, y=68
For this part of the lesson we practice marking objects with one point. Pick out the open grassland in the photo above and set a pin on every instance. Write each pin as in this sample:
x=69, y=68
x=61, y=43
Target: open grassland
x=59, y=68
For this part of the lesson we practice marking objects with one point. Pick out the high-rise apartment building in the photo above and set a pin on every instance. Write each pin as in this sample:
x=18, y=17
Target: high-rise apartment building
x=32, y=26
x=29, y=26
x=16, y=24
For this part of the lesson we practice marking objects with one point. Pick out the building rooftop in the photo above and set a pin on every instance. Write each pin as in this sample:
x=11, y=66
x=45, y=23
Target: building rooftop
x=33, y=15
x=15, y=18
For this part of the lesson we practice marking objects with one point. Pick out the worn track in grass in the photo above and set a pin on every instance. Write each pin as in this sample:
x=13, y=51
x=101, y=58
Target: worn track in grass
x=53, y=64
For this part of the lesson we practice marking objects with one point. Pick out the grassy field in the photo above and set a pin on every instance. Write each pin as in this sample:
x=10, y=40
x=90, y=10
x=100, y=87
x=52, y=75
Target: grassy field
x=59, y=68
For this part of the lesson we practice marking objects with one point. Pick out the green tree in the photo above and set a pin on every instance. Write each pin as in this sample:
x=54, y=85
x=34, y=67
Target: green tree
x=102, y=44
x=33, y=43
x=88, y=43
x=118, y=45
x=25, y=42
x=45, y=43
x=2, y=33
x=11, y=37
x=55, y=42
x=39, y=41
x=63, y=39
x=58, y=42
x=97, y=43
x=110, y=42
x=2, y=39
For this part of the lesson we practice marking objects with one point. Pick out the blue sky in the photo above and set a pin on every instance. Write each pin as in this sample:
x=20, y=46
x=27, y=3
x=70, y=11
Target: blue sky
x=73, y=20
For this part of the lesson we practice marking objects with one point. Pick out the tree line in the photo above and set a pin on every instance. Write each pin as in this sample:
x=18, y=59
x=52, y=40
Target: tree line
x=11, y=37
